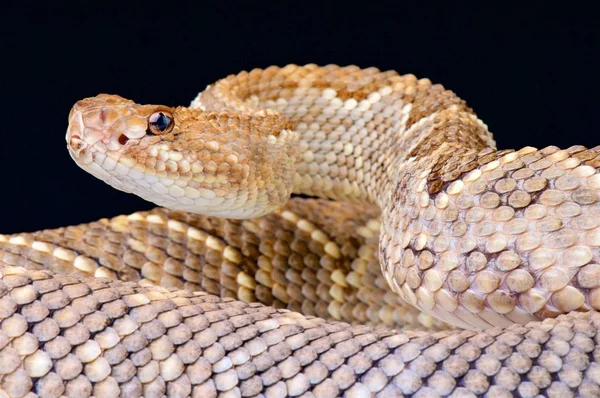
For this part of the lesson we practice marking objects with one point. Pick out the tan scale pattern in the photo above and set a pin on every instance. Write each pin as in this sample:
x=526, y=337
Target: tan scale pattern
x=173, y=303
x=74, y=335
x=285, y=259
x=510, y=241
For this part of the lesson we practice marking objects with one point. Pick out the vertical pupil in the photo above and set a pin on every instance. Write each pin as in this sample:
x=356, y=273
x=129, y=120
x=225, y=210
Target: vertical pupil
x=162, y=122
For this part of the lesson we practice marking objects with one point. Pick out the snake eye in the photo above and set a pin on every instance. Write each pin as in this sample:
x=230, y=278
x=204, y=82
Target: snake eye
x=160, y=123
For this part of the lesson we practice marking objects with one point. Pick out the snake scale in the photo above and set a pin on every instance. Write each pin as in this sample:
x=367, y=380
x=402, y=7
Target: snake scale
x=424, y=263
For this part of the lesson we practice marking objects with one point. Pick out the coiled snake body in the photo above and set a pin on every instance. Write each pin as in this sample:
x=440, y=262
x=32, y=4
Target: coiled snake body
x=421, y=224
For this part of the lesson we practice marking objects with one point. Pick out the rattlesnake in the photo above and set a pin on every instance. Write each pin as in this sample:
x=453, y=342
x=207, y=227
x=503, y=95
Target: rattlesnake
x=426, y=263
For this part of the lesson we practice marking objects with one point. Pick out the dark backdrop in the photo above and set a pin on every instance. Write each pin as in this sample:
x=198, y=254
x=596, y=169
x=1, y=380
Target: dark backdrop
x=530, y=73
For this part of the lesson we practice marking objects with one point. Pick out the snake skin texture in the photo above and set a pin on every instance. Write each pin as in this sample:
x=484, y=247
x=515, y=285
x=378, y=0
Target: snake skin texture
x=432, y=264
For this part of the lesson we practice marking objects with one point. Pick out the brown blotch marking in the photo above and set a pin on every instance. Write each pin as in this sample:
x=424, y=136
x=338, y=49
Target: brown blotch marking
x=433, y=99
x=457, y=135
x=449, y=167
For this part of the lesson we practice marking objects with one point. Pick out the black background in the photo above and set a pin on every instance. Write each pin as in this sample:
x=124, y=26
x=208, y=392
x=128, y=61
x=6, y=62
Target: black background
x=530, y=73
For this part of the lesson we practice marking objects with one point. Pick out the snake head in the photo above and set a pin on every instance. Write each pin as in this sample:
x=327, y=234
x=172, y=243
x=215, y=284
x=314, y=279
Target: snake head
x=228, y=164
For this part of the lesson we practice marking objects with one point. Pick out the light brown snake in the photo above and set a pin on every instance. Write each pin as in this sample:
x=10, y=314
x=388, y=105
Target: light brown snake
x=429, y=264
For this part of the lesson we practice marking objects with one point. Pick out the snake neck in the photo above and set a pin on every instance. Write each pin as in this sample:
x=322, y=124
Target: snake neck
x=359, y=130
x=373, y=168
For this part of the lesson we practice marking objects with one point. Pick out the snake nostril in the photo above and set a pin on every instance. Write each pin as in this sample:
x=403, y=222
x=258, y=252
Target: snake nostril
x=123, y=139
x=76, y=143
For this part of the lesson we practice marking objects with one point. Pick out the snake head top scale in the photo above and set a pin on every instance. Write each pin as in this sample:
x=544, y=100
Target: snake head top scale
x=212, y=163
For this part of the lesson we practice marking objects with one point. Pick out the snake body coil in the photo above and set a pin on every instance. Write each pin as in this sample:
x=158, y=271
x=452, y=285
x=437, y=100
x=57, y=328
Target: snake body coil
x=421, y=224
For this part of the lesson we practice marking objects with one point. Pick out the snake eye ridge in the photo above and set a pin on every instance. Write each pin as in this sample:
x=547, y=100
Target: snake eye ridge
x=160, y=123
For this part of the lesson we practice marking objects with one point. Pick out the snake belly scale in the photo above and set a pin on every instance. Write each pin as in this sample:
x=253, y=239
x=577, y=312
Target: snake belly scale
x=428, y=263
